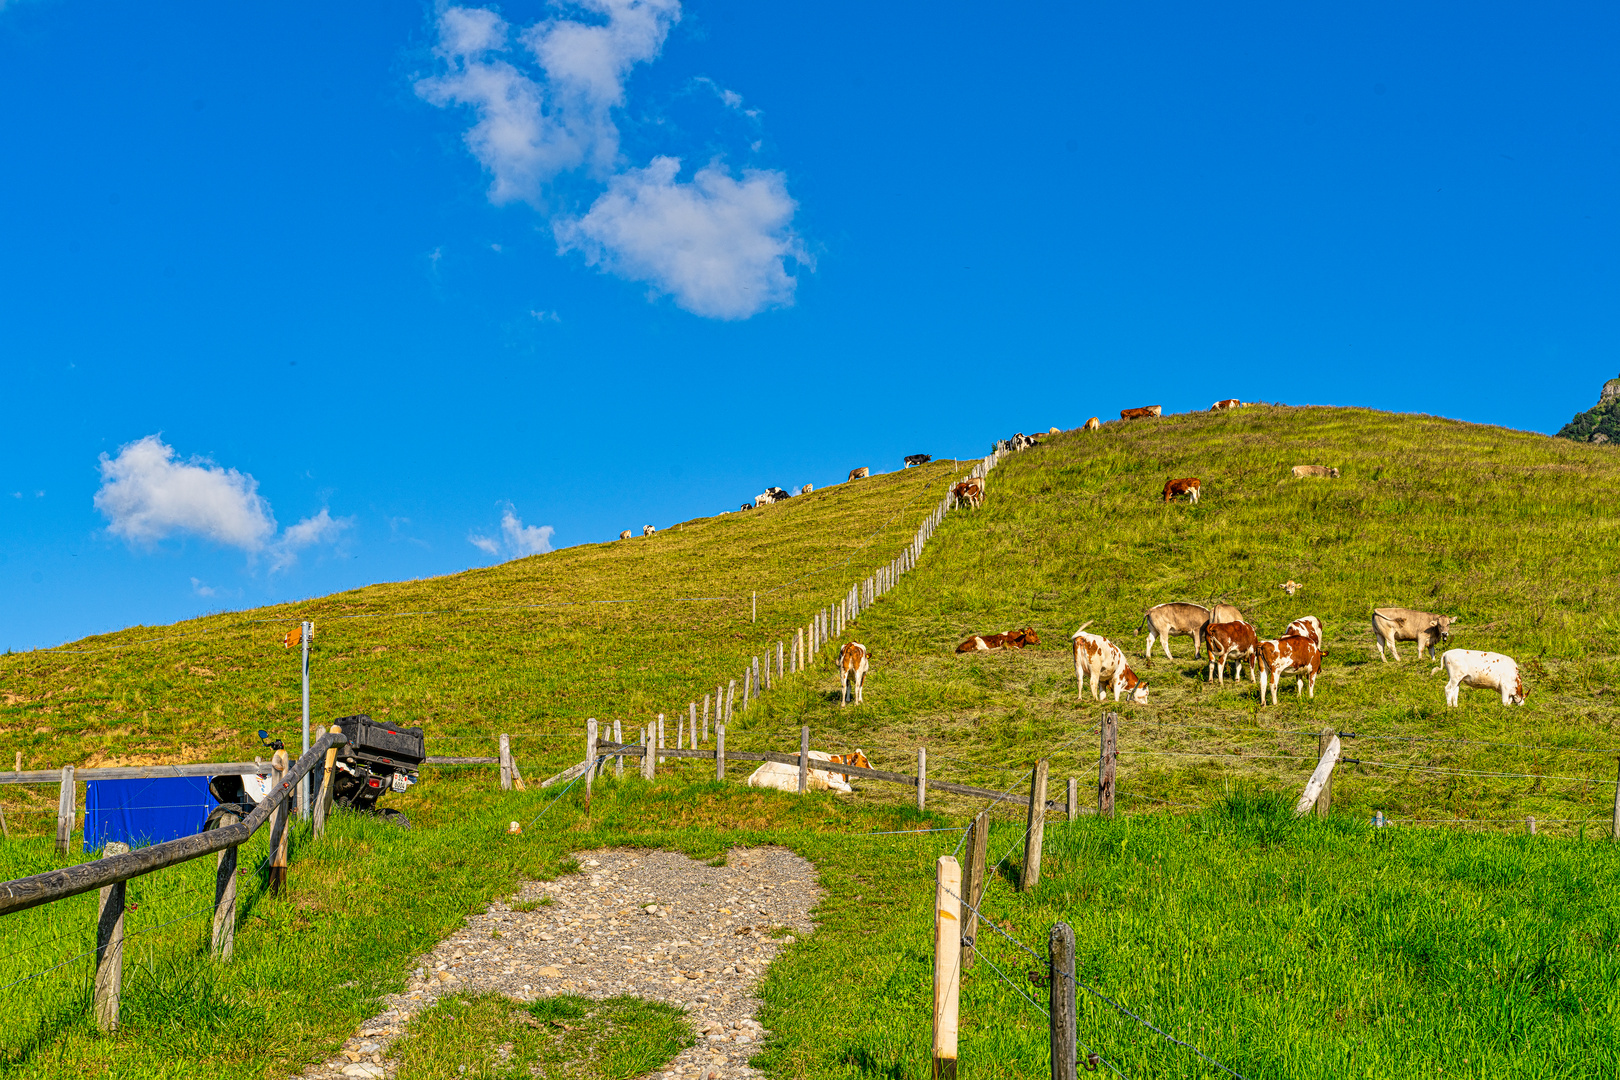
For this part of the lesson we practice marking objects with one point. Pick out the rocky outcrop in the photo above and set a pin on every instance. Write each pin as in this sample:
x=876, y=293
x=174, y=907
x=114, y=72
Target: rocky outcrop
x=1600, y=423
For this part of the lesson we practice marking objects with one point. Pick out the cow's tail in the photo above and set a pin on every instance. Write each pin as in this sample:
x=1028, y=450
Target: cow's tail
x=1083, y=626
x=1435, y=671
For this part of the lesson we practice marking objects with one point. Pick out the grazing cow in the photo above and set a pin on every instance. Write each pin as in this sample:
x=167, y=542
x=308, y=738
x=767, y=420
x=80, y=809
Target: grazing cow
x=1235, y=641
x=860, y=474
x=1052, y=431
x=746, y=506
x=1290, y=586
x=1222, y=613
x=1222, y=406
x=1392, y=624
x=1189, y=486
x=807, y=489
x=647, y=530
x=970, y=492
x=1007, y=639
x=1141, y=414
x=1168, y=620
x=1308, y=626
x=1093, y=424
x=918, y=459
x=1483, y=671
x=853, y=661
x=1289, y=653
x=771, y=495
x=625, y=535
x=1315, y=470
x=1105, y=662
x=785, y=777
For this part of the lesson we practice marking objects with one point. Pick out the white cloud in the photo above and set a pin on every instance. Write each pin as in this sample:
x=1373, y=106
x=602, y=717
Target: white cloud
x=323, y=528
x=719, y=245
x=516, y=539
x=203, y=590
x=147, y=495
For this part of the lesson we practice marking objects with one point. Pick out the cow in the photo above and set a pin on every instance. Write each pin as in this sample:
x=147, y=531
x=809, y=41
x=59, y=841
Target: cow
x=1007, y=639
x=807, y=489
x=1093, y=424
x=1392, y=624
x=1483, y=671
x=1222, y=406
x=1222, y=613
x=1052, y=431
x=1290, y=586
x=853, y=661
x=1020, y=441
x=970, y=492
x=785, y=777
x=918, y=459
x=1105, y=662
x=1308, y=626
x=860, y=474
x=1168, y=620
x=647, y=530
x=1143, y=413
x=1289, y=653
x=625, y=535
x=1188, y=486
x=746, y=506
x=1235, y=641
x=771, y=495
x=1315, y=470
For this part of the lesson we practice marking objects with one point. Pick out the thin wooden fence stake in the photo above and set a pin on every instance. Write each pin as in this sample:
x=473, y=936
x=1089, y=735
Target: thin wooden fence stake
x=754, y=610
x=804, y=759
x=720, y=752
x=1074, y=798
x=323, y=798
x=680, y=732
x=618, y=765
x=1614, y=828
x=590, y=758
x=110, y=948
x=978, y=855
x=691, y=716
x=1060, y=1001
x=223, y=940
x=649, y=755
x=1030, y=876
x=1324, y=801
x=705, y=717
x=65, y=800
x=1107, y=760
x=1530, y=823
x=278, y=832
x=660, y=737
x=748, y=687
x=506, y=763
x=731, y=698
x=780, y=670
x=922, y=777
x=947, y=964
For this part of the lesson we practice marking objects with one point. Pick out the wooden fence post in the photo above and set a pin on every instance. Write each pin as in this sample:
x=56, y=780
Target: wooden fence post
x=279, y=831
x=691, y=714
x=804, y=760
x=110, y=948
x=323, y=798
x=978, y=854
x=731, y=698
x=947, y=964
x=780, y=650
x=748, y=687
x=720, y=752
x=1324, y=801
x=1074, y=798
x=649, y=754
x=506, y=763
x=1030, y=876
x=922, y=777
x=660, y=737
x=223, y=941
x=590, y=758
x=753, y=614
x=5, y=832
x=1530, y=823
x=1060, y=956
x=66, y=801
x=1614, y=829
x=705, y=717
x=618, y=764
x=1319, y=778
x=1105, y=765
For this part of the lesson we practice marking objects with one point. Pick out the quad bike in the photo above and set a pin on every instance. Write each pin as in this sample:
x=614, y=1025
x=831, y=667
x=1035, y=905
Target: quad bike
x=377, y=759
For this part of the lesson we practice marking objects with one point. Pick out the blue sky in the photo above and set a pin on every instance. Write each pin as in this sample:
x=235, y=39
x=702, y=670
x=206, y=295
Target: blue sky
x=303, y=296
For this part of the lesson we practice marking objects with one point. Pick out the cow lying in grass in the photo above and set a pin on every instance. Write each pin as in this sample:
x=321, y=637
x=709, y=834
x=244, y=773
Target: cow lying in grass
x=1007, y=639
x=1105, y=662
x=1483, y=671
x=782, y=777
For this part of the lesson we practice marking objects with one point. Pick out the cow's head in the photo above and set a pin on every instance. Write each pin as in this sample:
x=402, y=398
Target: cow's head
x=1442, y=627
x=1518, y=690
x=1028, y=636
x=1138, y=689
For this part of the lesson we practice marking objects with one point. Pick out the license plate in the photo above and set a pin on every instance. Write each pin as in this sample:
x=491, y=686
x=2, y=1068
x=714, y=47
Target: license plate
x=400, y=782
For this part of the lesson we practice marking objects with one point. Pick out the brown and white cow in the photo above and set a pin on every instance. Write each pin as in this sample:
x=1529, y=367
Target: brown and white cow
x=1222, y=406
x=1171, y=620
x=625, y=535
x=1188, y=486
x=1315, y=470
x=853, y=662
x=1105, y=662
x=1290, y=653
x=860, y=474
x=785, y=777
x=1222, y=613
x=1484, y=671
x=1144, y=413
x=1306, y=626
x=1093, y=424
x=1234, y=641
x=1392, y=624
x=1007, y=639
x=970, y=492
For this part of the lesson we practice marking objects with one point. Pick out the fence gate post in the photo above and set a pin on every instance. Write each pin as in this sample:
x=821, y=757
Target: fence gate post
x=1105, y=766
x=110, y=948
x=1324, y=801
x=947, y=965
x=978, y=852
x=922, y=777
x=1060, y=952
x=506, y=763
x=66, y=798
x=618, y=764
x=1030, y=876
x=278, y=832
x=804, y=759
x=590, y=758
x=1073, y=805
x=223, y=941
x=720, y=752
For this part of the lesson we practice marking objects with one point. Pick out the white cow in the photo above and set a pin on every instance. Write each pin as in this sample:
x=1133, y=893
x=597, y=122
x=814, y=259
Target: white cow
x=1105, y=662
x=782, y=777
x=1483, y=671
x=853, y=662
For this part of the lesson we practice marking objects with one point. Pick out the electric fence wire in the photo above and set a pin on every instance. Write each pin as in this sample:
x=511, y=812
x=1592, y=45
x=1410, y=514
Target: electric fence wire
x=92, y=949
x=982, y=955
x=1475, y=772
x=597, y=764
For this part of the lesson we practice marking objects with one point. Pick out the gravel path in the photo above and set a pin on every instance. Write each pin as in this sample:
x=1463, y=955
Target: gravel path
x=650, y=923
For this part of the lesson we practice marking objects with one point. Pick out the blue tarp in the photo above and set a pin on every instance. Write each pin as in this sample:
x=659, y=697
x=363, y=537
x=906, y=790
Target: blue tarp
x=144, y=812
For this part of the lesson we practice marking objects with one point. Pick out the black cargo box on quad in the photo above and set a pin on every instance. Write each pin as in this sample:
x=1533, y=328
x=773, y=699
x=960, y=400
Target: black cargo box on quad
x=382, y=744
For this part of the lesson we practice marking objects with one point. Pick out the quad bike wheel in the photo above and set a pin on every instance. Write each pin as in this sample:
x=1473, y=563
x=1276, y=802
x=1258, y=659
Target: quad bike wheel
x=394, y=817
x=217, y=815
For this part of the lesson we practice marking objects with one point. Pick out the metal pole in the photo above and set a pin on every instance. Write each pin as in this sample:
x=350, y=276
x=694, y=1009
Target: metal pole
x=303, y=785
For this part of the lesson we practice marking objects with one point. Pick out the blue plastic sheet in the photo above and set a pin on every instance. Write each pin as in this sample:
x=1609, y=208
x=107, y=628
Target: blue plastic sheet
x=144, y=812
